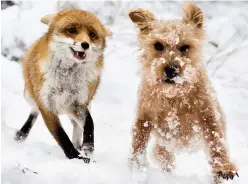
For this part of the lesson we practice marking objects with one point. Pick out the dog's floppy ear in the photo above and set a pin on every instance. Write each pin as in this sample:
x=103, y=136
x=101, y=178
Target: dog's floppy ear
x=143, y=19
x=47, y=19
x=192, y=14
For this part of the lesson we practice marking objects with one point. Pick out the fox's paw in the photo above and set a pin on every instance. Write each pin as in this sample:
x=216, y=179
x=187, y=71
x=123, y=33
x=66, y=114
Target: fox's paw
x=20, y=136
x=85, y=159
x=88, y=148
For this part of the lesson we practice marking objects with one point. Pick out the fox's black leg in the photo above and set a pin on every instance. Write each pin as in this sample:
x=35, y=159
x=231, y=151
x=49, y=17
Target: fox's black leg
x=88, y=140
x=82, y=126
x=24, y=131
x=54, y=126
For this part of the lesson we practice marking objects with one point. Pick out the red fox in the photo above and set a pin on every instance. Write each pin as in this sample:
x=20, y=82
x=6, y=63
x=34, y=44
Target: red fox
x=62, y=72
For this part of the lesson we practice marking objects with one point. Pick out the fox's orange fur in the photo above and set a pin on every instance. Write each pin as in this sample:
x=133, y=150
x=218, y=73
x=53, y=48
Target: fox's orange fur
x=39, y=52
x=187, y=108
x=49, y=64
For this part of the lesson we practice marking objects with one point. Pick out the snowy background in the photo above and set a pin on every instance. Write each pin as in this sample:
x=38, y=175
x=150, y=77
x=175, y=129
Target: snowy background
x=40, y=160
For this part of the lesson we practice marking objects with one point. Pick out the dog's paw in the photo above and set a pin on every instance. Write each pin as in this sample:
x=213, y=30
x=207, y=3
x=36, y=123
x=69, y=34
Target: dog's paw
x=137, y=164
x=227, y=176
x=138, y=168
x=168, y=168
x=227, y=171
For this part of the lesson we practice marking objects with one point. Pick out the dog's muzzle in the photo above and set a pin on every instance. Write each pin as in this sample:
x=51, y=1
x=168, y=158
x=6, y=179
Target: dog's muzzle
x=170, y=73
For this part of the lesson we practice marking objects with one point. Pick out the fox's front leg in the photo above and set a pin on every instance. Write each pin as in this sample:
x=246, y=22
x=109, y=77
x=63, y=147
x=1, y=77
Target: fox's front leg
x=214, y=137
x=141, y=135
x=53, y=124
x=83, y=125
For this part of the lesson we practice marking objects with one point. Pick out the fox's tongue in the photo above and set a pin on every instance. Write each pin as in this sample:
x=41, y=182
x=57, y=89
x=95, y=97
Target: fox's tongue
x=80, y=55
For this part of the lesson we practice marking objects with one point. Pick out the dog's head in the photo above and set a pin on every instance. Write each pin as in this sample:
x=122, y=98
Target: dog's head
x=77, y=35
x=171, y=49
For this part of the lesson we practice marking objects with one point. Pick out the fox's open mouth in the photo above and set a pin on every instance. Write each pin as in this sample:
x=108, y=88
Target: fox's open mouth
x=78, y=54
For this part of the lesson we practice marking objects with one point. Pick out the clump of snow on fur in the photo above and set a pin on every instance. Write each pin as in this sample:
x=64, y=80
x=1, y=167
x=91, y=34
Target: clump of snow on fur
x=194, y=144
x=159, y=130
x=169, y=145
x=188, y=75
x=168, y=135
x=171, y=53
x=180, y=61
x=173, y=121
x=157, y=62
x=217, y=115
x=178, y=80
x=196, y=128
x=146, y=124
x=170, y=35
x=216, y=134
x=162, y=134
x=142, y=51
x=155, y=126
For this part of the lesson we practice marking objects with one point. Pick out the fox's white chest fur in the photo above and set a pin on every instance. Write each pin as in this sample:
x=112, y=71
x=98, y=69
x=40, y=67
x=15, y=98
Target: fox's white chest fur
x=66, y=83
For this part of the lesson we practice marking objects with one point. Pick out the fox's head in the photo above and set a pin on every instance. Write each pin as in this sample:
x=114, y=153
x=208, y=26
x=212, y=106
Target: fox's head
x=76, y=35
x=171, y=48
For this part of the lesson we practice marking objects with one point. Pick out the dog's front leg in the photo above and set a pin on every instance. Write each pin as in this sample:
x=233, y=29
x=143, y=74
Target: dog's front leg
x=214, y=137
x=141, y=135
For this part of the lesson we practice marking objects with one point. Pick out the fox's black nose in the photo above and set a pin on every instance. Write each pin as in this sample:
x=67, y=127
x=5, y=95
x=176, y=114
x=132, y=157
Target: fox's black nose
x=171, y=71
x=85, y=45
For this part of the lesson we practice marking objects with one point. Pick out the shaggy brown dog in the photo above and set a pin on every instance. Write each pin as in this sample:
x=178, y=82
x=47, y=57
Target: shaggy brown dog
x=176, y=100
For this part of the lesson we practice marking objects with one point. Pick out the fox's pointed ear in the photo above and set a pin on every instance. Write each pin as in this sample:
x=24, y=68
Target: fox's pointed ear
x=47, y=19
x=108, y=32
x=192, y=14
x=143, y=19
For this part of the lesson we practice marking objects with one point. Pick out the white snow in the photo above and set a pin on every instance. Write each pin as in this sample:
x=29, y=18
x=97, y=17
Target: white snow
x=113, y=109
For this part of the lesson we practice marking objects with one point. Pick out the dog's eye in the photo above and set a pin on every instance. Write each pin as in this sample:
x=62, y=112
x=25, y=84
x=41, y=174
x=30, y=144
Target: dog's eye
x=184, y=48
x=158, y=46
x=72, y=30
x=92, y=35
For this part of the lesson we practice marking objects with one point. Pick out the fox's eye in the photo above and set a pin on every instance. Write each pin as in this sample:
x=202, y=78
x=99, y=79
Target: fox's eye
x=158, y=46
x=184, y=48
x=72, y=30
x=92, y=35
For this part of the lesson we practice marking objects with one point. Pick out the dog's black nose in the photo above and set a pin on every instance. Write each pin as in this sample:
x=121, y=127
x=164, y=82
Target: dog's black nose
x=85, y=45
x=171, y=71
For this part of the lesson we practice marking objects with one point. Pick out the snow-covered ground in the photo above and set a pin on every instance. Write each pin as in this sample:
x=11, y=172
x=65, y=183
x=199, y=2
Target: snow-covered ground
x=113, y=109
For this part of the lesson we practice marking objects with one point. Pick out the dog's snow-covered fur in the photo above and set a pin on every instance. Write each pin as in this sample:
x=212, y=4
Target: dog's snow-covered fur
x=176, y=101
